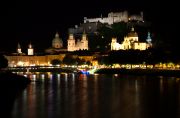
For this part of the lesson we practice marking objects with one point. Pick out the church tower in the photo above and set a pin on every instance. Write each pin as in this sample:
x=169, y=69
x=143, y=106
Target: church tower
x=71, y=43
x=84, y=41
x=132, y=35
x=30, y=50
x=113, y=43
x=57, y=42
x=19, y=49
x=149, y=40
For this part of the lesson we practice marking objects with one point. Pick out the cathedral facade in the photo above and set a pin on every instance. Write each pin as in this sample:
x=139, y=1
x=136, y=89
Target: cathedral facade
x=73, y=45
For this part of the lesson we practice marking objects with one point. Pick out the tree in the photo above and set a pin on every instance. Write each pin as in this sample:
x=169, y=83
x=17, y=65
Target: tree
x=56, y=62
x=103, y=60
x=105, y=35
x=119, y=29
x=69, y=60
x=88, y=63
x=3, y=62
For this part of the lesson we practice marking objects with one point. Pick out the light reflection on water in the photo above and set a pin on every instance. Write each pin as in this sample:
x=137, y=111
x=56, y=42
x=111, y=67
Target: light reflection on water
x=94, y=96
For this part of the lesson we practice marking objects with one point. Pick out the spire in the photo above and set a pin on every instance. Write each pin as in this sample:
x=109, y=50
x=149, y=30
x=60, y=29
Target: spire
x=56, y=35
x=18, y=46
x=30, y=50
x=149, y=38
x=142, y=16
x=132, y=29
x=149, y=35
x=30, y=46
x=84, y=32
x=19, y=49
x=71, y=36
x=84, y=36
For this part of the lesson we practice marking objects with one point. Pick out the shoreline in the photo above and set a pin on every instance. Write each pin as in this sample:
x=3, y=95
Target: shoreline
x=150, y=72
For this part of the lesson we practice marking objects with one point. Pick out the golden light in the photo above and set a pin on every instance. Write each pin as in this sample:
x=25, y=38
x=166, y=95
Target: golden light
x=20, y=63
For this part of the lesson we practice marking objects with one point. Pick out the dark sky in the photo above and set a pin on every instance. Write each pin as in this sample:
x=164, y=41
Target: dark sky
x=37, y=21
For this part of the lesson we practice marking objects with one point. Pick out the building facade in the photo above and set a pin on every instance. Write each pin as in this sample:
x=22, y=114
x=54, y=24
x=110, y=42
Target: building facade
x=57, y=41
x=30, y=50
x=57, y=45
x=26, y=60
x=131, y=41
x=19, y=51
x=73, y=45
x=116, y=17
x=41, y=60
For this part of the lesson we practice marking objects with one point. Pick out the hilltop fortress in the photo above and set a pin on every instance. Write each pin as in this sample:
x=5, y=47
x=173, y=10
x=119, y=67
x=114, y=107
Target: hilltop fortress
x=116, y=17
x=91, y=25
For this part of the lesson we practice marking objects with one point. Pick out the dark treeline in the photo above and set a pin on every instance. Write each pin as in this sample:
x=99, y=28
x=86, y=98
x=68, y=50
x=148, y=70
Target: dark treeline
x=73, y=58
x=150, y=56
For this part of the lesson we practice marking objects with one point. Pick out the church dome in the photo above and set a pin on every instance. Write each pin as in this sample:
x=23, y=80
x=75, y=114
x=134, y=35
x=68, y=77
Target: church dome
x=132, y=33
x=57, y=42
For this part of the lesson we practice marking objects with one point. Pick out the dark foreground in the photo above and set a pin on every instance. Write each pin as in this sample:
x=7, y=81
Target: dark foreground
x=10, y=86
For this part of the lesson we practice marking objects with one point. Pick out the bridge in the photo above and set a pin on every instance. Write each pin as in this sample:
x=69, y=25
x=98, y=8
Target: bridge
x=52, y=69
x=42, y=69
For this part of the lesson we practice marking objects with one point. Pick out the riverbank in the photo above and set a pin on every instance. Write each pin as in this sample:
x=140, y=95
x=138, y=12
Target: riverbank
x=153, y=72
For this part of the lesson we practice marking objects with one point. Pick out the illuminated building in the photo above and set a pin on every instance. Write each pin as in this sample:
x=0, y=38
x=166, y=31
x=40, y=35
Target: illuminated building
x=54, y=52
x=92, y=25
x=57, y=42
x=79, y=45
x=57, y=45
x=115, y=18
x=19, y=49
x=149, y=40
x=90, y=28
x=30, y=50
x=35, y=60
x=41, y=60
x=131, y=41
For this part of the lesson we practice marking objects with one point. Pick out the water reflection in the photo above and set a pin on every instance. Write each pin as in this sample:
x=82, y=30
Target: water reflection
x=42, y=76
x=94, y=96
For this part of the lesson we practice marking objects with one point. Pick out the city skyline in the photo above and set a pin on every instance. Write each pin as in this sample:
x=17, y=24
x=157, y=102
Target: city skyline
x=37, y=22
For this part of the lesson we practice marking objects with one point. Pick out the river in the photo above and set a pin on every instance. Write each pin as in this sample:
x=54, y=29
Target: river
x=98, y=96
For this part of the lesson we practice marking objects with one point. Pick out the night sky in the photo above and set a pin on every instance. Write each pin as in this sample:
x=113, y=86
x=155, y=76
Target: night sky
x=36, y=21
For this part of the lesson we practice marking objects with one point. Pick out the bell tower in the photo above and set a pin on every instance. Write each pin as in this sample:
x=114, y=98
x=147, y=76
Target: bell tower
x=149, y=40
x=84, y=41
x=19, y=49
x=71, y=43
x=30, y=50
x=113, y=43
